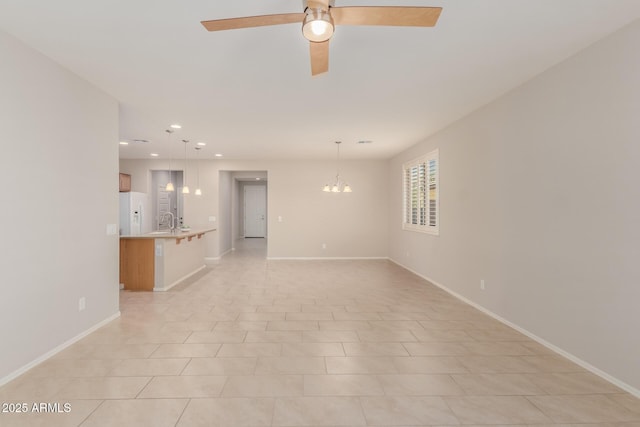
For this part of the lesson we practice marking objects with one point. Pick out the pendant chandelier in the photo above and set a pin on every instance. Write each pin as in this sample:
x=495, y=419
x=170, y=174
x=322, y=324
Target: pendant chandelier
x=169, y=186
x=338, y=186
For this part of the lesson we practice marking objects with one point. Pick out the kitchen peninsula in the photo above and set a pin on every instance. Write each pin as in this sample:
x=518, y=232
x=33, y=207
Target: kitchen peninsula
x=159, y=260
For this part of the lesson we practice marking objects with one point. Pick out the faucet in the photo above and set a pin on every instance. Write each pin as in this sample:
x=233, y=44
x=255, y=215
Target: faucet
x=171, y=224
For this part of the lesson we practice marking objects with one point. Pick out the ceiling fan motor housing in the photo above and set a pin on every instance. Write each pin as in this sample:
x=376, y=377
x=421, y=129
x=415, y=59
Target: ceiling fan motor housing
x=318, y=25
x=315, y=4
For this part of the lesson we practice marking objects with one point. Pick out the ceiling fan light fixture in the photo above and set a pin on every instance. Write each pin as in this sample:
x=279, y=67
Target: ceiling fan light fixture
x=318, y=25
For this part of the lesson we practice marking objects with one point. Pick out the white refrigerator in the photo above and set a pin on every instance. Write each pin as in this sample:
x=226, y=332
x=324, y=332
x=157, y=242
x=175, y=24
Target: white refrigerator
x=135, y=214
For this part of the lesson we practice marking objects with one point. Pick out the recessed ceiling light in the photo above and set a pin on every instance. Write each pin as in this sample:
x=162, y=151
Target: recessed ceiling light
x=218, y=155
x=202, y=144
x=365, y=141
x=124, y=143
x=141, y=141
x=176, y=126
x=154, y=154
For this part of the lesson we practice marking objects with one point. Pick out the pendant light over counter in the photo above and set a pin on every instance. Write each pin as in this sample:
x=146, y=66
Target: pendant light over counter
x=185, y=187
x=169, y=186
x=338, y=186
x=198, y=191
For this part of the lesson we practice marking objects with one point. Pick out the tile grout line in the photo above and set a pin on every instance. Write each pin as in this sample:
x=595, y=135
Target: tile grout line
x=443, y=398
x=145, y=386
x=187, y=337
x=91, y=413
x=540, y=409
x=182, y=413
x=185, y=367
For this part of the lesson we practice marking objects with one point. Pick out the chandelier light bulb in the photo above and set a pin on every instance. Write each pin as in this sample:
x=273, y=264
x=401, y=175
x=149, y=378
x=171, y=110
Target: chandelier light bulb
x=185, y=189
x=170, y=187
x=198, y=192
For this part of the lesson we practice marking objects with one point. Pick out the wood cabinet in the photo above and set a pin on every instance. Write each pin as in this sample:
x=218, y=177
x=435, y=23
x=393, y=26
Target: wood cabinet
x=125, y=182
x=137, y=264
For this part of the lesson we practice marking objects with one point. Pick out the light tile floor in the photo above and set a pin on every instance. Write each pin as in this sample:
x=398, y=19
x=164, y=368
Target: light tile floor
x=311, y=343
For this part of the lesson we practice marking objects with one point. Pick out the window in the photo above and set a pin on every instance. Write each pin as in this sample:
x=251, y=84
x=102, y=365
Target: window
x=421, y=194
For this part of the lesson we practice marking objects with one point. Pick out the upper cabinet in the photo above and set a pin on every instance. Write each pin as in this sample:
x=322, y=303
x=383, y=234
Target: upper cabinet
x=125, y=182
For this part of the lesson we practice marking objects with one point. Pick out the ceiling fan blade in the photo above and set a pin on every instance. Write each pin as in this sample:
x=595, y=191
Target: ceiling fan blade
x=403, y=16
x=253, y=21
x=319, y=57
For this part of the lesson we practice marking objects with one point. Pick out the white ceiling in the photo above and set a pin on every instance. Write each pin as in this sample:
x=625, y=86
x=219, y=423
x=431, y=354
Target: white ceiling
x=249, y=93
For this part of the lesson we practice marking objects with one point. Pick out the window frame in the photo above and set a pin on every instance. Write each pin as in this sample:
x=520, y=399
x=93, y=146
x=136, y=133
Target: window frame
x=408, y=187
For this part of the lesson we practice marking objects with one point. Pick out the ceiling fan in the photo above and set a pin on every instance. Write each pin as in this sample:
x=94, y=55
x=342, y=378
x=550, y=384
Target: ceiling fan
x=320, y=18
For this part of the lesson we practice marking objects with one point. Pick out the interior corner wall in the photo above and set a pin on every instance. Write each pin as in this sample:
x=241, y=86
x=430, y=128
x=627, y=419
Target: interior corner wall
x=60, y=153
x=225, y=222
x=236, y=211
x=539, y=198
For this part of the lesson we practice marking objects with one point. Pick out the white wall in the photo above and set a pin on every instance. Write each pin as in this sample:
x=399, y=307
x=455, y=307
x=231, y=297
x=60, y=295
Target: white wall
x=225, y=223
x=60, y=167
x=352, y=225
x=539, y=197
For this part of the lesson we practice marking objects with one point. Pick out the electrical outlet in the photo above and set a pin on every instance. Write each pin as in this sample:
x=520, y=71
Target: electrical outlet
x=408, y=254
x=324, y=246
x=482, y=284
x=82, y=304
x=279, y=219
x=212, y=219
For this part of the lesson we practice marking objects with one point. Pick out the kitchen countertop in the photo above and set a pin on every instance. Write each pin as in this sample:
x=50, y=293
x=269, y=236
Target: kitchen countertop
x=171, y=235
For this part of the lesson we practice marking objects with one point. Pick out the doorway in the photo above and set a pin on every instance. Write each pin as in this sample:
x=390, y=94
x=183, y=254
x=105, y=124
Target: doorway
x=231, y=222
x=255, y=211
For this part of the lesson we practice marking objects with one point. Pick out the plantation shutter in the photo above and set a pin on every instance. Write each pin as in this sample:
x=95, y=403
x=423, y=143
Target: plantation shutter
x=420, y=190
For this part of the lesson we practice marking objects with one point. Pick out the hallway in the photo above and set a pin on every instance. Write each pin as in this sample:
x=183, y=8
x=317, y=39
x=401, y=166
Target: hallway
x=254, y=342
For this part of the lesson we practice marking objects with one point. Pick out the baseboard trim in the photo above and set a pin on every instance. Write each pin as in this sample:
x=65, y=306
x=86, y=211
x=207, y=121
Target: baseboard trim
x=57, y=350
x=215, y=259
x=183, y=278
x=607, y=377
x=323, y=258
